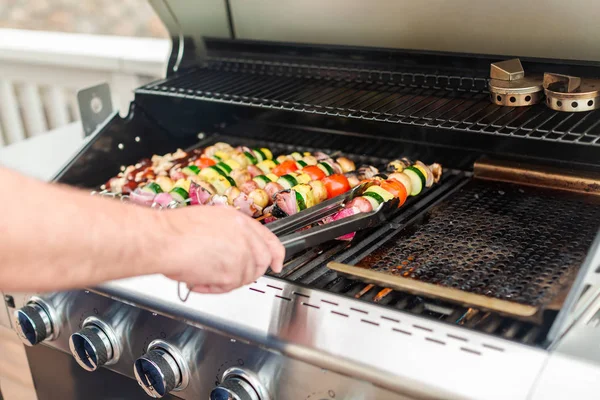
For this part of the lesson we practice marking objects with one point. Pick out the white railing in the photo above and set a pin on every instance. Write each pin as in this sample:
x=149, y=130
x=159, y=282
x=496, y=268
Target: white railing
x=41, y=72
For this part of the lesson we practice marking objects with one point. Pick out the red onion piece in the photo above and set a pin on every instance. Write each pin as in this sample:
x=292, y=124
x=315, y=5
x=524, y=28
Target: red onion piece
x=142, y=198
x=245, y=204
x=163, y=199
x=249, y=186
x=198, y=195
x=361, y=203
x=254, y=170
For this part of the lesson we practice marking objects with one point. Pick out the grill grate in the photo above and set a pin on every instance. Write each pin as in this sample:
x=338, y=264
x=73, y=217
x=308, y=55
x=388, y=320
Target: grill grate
x=496, y=239
x=427, y=100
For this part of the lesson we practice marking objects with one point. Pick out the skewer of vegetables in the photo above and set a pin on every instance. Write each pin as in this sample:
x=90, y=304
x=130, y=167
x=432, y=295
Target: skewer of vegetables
x=406, y=179
x=220, y=163
x=251, y=180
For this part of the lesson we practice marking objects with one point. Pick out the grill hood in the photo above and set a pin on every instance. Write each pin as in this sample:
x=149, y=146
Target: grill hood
x=537, y=28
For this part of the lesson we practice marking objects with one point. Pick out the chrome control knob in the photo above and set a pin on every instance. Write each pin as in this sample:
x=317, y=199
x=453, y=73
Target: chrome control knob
x=161, y=370
x=234, y=389
x=239, y=384
x=94, y=345
x=35, y=322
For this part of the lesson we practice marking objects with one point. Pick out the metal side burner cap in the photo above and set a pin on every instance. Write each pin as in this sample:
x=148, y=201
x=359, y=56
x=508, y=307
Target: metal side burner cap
x=161, y=370
x=36, y=322
x=95, y=345
x=571, y=93
x=509, y=86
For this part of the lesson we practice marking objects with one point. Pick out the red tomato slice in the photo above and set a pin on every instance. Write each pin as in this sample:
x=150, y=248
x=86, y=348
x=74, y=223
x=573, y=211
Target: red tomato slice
x=204, y=162
x=336, y=185
x=285, y=168
x=315, y=173
x=396, y=189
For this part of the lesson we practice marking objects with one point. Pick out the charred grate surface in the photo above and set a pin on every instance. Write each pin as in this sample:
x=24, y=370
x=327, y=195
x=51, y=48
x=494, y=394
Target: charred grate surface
x=435, y=100
x=495, y=239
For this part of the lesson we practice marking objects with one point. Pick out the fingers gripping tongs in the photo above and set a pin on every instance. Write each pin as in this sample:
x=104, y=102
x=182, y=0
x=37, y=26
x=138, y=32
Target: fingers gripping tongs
x=295, y=239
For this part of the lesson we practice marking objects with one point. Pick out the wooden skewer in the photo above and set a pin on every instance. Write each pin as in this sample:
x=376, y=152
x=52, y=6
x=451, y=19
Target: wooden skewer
x=263, y=217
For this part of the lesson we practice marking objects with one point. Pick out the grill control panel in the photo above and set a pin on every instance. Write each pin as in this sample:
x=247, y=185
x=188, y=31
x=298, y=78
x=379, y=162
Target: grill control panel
x=170, y=357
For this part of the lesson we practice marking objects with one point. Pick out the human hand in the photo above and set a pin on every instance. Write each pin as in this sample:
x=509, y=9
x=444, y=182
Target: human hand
x=216, y=249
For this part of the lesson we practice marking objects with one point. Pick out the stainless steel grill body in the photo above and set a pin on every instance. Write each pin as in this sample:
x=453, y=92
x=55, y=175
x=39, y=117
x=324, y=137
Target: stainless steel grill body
x=310, y=332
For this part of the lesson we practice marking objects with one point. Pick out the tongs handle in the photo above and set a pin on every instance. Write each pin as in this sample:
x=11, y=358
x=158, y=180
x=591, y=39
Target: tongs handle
x=299, y=241
x=314, y=214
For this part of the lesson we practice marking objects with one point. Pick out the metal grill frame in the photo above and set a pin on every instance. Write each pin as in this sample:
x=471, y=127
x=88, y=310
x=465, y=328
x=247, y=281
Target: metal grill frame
x=450, y=102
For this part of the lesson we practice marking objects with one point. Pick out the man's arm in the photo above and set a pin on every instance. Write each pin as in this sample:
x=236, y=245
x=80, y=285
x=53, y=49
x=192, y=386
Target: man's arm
x=54, y=238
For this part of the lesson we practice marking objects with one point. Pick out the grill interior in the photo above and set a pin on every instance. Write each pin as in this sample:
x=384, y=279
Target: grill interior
x=435, y=100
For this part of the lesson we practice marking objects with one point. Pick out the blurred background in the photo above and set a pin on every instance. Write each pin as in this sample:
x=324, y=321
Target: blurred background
x=50, y=49
x=98, y=17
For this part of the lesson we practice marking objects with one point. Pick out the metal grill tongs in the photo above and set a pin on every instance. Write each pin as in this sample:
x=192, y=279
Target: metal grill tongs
x=295, y=241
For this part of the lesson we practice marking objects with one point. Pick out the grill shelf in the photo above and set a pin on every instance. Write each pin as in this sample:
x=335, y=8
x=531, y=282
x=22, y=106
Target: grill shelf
x=459, y=103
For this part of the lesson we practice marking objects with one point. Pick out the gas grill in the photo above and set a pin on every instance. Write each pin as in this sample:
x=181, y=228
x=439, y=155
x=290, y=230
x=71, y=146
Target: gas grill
x=484, y=286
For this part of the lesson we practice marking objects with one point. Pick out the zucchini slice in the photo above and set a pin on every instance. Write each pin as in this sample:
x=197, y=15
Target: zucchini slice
x=261, y=181
x=251, y=158
x=287, y=181
x=300, y=201
x=373, y=198
x=300, y=164
x=272, y=177
x=191, y=170
x=230, y=180
x=221, y=184
x=381, y=192
x=325, y=167
x=417, y=180
x=267, y=153
x=211, y=172
x=152, y=187
x=179, y=194
x=260, y=156
x=224, y=167
x=266, y=166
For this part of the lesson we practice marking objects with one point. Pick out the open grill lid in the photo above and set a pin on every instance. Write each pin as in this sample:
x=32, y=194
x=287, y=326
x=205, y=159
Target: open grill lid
x=460, y=26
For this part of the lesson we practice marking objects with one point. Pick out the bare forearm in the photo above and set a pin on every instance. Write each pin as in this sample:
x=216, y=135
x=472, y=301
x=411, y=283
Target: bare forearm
x=54, y=238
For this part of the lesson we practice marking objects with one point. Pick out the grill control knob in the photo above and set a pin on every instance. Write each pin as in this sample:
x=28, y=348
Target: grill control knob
x=35, y=322
x=238, y=384
x=161, y=370
x=95, y=345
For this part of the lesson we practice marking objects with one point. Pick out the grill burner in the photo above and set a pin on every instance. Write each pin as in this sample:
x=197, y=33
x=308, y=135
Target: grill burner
x=497, y=240
x=509, y=86
x=569, y=93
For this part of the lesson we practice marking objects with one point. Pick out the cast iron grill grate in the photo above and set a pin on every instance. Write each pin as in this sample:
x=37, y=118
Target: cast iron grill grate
x=496, y=239
x=429, y=100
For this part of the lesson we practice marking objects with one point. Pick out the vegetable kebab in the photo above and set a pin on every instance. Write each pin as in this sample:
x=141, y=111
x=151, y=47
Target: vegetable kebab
x=405, y=179
x=247, y=179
